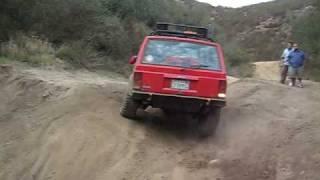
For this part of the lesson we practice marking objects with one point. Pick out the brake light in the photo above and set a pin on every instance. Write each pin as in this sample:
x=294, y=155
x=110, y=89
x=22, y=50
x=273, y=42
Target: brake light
x=137, y=80
x=222, y=89
x=222, y=86
x=133, y=60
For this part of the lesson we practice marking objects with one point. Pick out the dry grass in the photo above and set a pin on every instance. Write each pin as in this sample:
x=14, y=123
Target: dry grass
x=31, y=50
x=4, y=60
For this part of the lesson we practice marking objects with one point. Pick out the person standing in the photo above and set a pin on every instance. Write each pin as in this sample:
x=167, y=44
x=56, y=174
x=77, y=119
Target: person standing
x=284, y=64
x=296, y=61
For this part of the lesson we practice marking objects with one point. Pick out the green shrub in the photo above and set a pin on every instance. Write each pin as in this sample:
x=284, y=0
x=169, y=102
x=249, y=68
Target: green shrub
x=118, y=66
x=239, y=62
x=4, y=60
x=79, y=55
x=95, y=33
x=307, y=32
x=31, y=50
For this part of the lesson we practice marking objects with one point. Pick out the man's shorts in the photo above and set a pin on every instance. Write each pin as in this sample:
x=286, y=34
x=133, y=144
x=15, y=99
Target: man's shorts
x=295, y=72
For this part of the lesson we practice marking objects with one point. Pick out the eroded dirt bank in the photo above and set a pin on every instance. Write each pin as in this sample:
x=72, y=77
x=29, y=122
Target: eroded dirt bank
x=63, y=126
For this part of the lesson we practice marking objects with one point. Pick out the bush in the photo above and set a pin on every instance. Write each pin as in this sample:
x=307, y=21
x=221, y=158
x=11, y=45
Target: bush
x=78, y=54
x=65, y=20
x=96, y=33
x=307, y=32
x=32, y=50
x=4, y=60
x=239, y=62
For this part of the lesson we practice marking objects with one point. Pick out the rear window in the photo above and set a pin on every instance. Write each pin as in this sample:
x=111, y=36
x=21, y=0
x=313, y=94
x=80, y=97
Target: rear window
x=181, y=54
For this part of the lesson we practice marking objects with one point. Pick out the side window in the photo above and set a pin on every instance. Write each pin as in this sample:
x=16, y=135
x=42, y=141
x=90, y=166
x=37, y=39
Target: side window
x=209, y=56
x=214, y=58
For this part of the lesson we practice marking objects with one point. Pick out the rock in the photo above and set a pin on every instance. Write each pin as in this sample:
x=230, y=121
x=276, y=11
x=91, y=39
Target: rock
x=214, y=162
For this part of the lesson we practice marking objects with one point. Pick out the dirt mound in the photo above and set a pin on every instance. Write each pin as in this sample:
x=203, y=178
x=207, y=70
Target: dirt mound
x=58, y=125
x=269, y=70
x=232, y=79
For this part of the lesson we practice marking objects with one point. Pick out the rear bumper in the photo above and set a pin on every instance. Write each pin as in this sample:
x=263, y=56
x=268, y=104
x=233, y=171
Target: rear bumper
x=184, y=99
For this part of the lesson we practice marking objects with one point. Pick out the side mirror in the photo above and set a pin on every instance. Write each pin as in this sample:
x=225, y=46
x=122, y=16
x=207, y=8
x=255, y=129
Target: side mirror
x=133, y=60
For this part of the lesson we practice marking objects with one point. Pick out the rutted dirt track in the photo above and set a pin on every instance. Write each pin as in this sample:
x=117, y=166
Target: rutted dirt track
x=63, y=126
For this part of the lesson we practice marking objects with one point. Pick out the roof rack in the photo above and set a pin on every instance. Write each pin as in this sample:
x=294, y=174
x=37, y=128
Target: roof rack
x=179, y=30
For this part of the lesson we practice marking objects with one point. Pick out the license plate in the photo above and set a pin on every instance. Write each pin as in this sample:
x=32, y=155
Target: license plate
x=180, y=84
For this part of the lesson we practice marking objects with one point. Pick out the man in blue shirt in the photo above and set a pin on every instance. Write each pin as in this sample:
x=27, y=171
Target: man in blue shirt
x=284, y=64
x=296, y=61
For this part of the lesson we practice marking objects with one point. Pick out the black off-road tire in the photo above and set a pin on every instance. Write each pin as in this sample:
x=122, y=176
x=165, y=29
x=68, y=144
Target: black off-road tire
x=129, y=108
x=208, y=122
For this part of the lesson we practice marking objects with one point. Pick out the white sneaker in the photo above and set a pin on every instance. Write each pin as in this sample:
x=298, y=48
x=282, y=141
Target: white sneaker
x=300, y=85
x=291, y=84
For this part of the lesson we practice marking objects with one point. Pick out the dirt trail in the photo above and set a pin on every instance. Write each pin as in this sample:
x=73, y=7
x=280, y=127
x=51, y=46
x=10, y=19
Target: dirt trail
x=269, y=70
x=64, y=126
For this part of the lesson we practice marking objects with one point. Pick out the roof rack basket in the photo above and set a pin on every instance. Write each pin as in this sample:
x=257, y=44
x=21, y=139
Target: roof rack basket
x=178, y=30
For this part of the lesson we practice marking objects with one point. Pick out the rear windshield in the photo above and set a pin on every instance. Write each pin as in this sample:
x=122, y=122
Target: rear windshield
x=181, y=54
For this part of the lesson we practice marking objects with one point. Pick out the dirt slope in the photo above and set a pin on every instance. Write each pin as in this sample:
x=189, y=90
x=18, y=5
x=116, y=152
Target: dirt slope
x=268, y=70
x=63, y=126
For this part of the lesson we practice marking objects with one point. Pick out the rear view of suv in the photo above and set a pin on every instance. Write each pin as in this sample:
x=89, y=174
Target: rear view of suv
x=180, y=70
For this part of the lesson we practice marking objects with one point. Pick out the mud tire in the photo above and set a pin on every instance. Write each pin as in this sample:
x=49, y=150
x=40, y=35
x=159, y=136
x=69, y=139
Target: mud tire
x=209, y=122
x=129, y=108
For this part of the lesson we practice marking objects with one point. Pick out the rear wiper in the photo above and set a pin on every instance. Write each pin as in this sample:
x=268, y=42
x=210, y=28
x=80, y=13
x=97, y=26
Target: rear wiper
x=199, y=66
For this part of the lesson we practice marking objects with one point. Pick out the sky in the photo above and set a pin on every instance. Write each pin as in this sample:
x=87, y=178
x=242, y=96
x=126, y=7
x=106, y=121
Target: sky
x=233, y=3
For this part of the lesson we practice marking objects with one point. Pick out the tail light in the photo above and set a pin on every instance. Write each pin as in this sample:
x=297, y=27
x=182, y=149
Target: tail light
x=137, y=80
x=133, y=60
x=222, y=89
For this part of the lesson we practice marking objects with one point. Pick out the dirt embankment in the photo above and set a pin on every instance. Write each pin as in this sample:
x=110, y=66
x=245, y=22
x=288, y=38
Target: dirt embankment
x=58, y=125
x=269, y=70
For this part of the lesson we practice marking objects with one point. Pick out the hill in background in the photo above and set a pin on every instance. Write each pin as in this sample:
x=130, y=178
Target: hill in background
x=102, y=34
x=262, y=29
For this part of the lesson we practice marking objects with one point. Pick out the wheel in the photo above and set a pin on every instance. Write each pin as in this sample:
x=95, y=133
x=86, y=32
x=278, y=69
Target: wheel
x=208, y=122
x=129, y=108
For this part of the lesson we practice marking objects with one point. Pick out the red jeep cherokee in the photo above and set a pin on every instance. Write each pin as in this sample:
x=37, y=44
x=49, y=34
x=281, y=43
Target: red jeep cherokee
x=179, y=70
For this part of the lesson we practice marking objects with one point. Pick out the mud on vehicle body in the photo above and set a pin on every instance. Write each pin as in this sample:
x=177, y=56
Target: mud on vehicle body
x=180, y=70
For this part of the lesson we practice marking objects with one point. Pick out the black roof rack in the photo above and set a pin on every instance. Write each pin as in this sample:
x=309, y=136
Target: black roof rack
x=179, y=30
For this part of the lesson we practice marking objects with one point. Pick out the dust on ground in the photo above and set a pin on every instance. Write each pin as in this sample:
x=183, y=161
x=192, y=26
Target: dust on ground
x=66, y=126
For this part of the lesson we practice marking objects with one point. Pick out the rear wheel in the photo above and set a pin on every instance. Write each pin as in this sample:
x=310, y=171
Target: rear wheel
x=129, y=107
x=208, y=122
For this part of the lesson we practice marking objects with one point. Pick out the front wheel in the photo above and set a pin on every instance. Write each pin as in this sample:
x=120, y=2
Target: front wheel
x=208, y=122
x=129, y=108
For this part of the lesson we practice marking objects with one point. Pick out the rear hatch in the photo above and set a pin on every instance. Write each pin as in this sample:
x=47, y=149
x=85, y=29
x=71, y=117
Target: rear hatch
x=180, y=66
x=179, y=81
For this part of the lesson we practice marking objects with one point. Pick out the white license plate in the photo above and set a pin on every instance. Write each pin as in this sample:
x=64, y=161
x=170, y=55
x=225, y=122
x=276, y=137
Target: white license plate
x=180, y=84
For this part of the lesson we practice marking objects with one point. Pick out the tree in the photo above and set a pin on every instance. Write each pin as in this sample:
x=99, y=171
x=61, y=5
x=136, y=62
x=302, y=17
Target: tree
x=307, y=32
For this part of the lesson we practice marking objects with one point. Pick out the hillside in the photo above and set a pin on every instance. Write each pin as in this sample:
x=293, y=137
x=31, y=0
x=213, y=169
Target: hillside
x=260, y=32
x=261, y=29
x=62, y=121
x=103, y=34
x=99, y=34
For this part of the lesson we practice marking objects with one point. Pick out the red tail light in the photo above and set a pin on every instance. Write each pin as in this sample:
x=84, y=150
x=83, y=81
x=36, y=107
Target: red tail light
x=222, y=86
x=222, y=89
x=137, y=80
